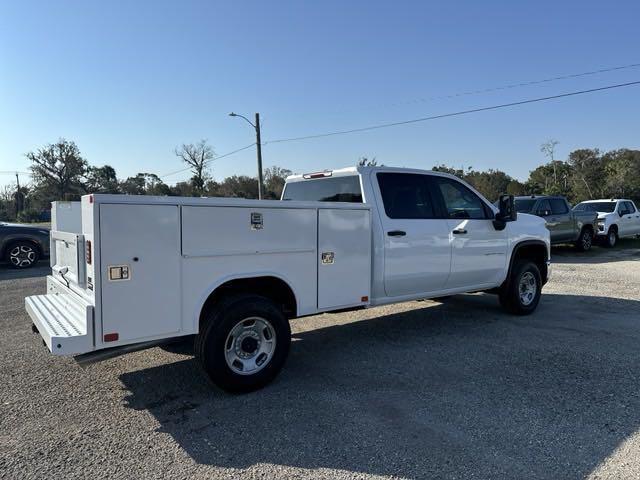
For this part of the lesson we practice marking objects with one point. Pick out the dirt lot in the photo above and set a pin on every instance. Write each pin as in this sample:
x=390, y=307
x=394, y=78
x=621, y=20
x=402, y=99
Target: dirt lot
x=420, y=390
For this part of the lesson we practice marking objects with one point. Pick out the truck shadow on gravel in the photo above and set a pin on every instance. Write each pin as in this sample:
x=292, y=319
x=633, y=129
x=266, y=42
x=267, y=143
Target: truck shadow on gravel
x=458, y=389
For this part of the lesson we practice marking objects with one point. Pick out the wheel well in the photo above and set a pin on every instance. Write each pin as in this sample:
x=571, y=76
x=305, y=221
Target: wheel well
x=273, y=288
x=614, y=228
x=536, y=252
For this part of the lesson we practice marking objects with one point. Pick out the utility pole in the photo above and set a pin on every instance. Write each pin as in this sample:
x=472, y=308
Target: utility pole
x=18, y=195
x=259, y=150
x=256, y=127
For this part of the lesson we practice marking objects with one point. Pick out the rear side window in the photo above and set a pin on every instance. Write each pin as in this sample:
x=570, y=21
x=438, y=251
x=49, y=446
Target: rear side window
x=558, y=206
x=330, y=189
x=525, y=206
x=544, y=208
x=406, y=195
x=459, y=201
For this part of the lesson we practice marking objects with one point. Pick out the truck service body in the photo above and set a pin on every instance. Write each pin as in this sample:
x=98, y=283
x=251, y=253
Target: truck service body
x=233, y=272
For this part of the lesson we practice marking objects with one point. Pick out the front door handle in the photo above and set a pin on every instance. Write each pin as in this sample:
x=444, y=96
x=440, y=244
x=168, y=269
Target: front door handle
x=459, y=231
x=396, y=233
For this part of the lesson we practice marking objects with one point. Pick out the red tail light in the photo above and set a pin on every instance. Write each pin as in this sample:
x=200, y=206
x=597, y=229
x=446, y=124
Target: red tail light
x=111, y=337
x=88, y=251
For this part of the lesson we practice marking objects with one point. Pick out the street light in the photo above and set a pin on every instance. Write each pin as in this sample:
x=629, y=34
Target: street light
x=256, y=126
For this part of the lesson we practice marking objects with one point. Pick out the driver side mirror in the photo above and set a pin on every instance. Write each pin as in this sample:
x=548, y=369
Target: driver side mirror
x=507, y=212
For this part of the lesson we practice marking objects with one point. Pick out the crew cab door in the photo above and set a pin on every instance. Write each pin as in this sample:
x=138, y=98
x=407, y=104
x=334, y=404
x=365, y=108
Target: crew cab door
x=627, y=222
x=563, y=219
x=636, y=218
x=417, y=250
x=479, y=251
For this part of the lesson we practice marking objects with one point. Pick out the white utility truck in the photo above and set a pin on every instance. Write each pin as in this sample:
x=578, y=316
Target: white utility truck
x=233, y=272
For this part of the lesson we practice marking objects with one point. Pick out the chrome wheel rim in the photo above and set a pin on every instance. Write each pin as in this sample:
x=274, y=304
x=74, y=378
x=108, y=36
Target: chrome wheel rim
x=250, y=345
x=527, y=288
x=22, y=255
x=612, y=238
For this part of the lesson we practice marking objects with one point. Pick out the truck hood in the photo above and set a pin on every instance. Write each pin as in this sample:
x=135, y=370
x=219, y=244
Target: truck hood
x=605, y=215
x=24, y=228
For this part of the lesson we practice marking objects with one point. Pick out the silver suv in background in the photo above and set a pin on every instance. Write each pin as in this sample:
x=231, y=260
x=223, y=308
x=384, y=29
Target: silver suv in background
x=565, y=225
x=617, y=218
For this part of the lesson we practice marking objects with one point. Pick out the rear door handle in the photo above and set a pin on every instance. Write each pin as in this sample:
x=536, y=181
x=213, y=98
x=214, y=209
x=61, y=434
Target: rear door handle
x=396, y=233
x=459, y=231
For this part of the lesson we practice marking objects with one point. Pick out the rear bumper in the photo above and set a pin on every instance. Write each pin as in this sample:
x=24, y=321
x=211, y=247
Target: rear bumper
x=63, y=319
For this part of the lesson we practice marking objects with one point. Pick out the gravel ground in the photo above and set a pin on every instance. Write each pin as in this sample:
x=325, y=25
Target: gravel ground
x=419, y=390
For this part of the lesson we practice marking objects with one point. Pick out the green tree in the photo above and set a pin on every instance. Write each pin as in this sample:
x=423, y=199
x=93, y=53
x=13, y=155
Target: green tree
x=622, y=169
x=551, y=179
x=57, y=171
x=274, y=180
x=144, y=184
x=588, y=174
x=101, y=180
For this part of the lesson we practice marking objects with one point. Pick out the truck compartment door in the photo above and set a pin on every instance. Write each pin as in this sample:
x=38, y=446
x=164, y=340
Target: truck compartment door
x=344, y=257
x=140, y=272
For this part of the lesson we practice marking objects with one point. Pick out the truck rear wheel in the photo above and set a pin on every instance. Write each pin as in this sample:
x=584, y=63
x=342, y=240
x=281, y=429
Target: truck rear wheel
x=243, y=343
x=521, y=294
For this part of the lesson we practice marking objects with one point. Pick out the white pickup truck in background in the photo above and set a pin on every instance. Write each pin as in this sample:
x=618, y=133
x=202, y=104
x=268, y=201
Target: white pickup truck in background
x=233, y=272
x=616, y=218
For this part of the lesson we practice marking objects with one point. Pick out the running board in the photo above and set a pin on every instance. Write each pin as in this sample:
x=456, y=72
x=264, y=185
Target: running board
x=107, y=353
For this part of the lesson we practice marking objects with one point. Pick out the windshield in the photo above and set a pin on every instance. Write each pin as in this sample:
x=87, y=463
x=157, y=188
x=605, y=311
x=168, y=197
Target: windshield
x=606, y=207
x=331, y=189
x=525, y=205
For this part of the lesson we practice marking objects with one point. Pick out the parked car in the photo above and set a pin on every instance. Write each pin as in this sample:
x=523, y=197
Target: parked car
x=233, y=272
x=617, y=218
x=21, y=246
x=565, y=225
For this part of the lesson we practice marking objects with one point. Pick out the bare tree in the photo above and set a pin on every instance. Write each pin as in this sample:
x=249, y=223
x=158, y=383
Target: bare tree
x=365, y=162
x=197, y=156
x=548, y=148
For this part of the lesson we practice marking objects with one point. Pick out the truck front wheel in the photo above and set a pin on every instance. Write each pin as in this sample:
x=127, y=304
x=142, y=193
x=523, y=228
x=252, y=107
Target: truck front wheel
x=243, y=343
x=585, y=240
x=521, y=293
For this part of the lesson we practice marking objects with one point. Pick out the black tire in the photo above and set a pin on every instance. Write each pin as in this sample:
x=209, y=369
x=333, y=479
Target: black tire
x=585, y=240
x=612, y=237
x=211, y=343
x=510, y=295
x=22, y=254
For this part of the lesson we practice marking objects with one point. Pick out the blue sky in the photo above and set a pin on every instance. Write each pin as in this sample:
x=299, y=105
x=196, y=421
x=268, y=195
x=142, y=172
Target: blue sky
x=128, y=81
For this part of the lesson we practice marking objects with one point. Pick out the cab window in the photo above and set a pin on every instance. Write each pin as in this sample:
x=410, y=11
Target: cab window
x=544, y=208
x=459, y=201
x=558, y=206
x=406, y=195
x=331, y=189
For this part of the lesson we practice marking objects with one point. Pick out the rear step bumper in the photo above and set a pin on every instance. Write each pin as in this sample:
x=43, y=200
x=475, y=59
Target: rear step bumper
x=64, y=321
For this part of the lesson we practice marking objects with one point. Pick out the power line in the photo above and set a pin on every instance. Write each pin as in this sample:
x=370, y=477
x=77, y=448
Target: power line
x=208, y=161
x=453, y=114
x=13, y=172
x=516, y=85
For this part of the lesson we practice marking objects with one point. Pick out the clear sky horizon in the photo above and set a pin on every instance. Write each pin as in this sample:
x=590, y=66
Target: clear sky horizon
x=130, y=81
